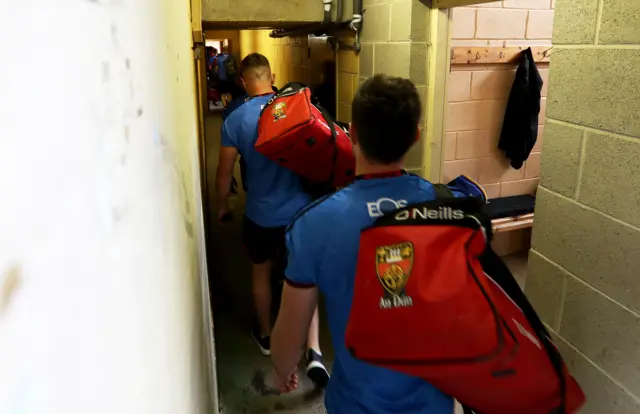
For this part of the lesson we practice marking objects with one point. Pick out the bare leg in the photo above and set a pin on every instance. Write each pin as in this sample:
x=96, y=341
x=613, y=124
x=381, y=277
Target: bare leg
x=313, y=338
x=261, y=286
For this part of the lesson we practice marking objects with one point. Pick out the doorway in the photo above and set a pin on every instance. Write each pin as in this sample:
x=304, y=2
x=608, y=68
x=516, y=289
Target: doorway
x=244, y=374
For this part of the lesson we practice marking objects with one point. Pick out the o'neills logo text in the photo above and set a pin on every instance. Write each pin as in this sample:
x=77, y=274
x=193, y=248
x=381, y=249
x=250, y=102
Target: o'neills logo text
x=442, y=213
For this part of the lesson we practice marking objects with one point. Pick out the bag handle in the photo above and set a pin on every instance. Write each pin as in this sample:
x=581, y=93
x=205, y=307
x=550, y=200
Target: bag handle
x=490, y=259
x=295, y=86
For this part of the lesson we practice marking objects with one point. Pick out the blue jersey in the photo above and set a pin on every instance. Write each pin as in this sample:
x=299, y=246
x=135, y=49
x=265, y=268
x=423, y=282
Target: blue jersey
x=323, y=249
x=233, y=105
x=222, y=68
x=274, y=194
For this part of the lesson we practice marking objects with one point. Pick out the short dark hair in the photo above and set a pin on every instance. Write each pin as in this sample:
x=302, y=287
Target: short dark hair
x=385, y=113
x=255, y=61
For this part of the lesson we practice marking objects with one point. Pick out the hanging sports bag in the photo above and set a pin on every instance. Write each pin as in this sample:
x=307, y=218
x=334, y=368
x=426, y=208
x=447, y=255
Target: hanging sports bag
x=431, y=299
x=302, y=137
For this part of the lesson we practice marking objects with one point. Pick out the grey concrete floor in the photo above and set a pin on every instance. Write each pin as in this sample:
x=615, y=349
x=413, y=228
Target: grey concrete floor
x=244, y=374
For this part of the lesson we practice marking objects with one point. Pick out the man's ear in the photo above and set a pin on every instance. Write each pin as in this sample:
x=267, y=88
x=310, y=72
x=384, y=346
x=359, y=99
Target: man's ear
x=353, y=133
x=244, y=84
x=273, y=78
x=417, y=134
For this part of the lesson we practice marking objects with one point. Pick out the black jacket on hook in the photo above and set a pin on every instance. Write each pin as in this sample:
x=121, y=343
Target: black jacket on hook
x=520, y=127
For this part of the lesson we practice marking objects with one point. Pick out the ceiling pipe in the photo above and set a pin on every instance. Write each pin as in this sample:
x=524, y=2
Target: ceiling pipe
x=306, y=30
x=356, y=25
x=327, y=11
x=339, y=11
x=317, y=29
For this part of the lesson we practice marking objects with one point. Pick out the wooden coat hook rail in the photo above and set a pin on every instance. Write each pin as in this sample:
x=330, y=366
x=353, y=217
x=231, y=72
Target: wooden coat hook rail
x=496, y=54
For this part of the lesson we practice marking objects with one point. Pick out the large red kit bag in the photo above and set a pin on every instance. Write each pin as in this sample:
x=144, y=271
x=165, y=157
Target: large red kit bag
x=303, y=138
x=213, y=95
x=431, y=299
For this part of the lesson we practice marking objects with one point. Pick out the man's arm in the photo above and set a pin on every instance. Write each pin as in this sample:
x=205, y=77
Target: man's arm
x=224, y=174
x=289, y=336
x=299, y=298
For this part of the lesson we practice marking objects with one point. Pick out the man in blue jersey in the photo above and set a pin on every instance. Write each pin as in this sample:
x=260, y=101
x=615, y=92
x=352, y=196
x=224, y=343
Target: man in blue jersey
x=274, y=197
x=226, y=74
x=322, y=246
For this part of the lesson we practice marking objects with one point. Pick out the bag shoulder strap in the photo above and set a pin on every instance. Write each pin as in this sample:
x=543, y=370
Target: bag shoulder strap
x=443, y=191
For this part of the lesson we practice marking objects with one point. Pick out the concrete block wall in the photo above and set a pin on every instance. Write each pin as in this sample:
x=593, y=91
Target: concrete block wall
x=243, y=14
x=585, y=257
x=395, y=42
x=348, y=67
x=262, y=11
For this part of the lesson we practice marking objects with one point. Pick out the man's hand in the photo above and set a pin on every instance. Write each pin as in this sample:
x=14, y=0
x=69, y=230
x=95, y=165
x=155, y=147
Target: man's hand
x=287, y=385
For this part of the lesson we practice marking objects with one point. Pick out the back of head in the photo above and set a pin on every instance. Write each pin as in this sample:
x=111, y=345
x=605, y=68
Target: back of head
x=256, y=73
x=385, y=115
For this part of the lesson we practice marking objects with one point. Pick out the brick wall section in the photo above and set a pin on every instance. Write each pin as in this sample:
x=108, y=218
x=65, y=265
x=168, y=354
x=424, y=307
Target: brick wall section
x=477, y=97
x=394, y=42
x=509, y=22
x=585, y=258
x=293, y=59
x=478, y=94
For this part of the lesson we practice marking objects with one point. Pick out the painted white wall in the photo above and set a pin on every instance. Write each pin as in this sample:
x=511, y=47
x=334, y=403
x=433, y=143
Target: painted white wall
x=101, y=251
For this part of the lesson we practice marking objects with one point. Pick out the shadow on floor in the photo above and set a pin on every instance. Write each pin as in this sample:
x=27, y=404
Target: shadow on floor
x=244, y=374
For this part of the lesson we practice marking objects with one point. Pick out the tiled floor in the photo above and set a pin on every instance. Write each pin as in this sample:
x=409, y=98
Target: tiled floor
x=244, y=374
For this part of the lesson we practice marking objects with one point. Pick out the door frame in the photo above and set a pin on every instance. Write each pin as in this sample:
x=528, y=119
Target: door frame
x=439, y=65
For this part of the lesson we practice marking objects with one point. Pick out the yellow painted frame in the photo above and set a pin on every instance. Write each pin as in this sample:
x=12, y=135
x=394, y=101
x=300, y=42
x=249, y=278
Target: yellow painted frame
x=439, y=65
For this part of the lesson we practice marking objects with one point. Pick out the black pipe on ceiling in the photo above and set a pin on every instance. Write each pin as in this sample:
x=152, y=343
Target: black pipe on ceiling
x=317, y=29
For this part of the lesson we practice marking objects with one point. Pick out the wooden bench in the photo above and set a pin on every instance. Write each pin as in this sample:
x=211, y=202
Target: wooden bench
x=502, y=225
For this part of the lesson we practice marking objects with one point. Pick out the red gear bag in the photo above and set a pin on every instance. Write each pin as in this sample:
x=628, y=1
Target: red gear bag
x=213, y=95
x=302, y=137
x=431, y=299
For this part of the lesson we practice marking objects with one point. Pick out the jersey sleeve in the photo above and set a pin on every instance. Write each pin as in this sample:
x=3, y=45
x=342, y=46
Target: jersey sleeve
x=229, y=136
x=302, y=254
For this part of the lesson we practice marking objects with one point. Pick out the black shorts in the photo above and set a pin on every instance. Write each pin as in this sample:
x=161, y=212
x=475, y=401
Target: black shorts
x=263, y=243
x=226, y=86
